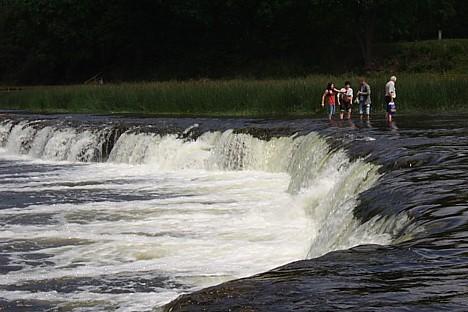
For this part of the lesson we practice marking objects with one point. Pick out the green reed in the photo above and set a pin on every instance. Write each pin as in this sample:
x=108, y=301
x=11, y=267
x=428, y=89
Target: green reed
x=289, y=97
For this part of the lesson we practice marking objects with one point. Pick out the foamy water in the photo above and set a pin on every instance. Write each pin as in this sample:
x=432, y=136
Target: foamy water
x=165, y=216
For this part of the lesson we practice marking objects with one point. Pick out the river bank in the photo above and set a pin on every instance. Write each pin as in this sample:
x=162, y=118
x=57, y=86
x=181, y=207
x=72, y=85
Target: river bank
x=242, y=98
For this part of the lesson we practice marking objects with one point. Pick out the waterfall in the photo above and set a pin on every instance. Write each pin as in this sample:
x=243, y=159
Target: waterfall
x=323, y=181
x=58, y=142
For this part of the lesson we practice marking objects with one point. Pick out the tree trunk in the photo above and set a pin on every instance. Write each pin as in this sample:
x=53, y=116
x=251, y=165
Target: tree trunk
x=368, y=58
x=365, y=37
x=365, y=44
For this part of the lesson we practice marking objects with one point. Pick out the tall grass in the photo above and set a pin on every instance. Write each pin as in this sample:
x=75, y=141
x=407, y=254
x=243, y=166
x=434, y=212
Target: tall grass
x=291, y=97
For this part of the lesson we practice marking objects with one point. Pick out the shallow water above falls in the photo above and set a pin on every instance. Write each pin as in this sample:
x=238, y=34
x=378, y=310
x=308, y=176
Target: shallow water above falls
x=123, y=214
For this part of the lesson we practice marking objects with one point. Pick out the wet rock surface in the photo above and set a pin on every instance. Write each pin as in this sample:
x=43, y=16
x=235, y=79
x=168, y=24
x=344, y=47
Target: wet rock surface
x=424, y=163
x=365, y=278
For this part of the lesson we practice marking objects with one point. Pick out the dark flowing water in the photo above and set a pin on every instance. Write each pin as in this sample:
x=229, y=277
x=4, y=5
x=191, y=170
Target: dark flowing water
x=125, y=214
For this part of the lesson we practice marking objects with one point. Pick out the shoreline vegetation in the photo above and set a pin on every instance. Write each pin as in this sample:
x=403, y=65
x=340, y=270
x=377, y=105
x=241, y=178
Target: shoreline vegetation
x=432, y=77
x=417, y=93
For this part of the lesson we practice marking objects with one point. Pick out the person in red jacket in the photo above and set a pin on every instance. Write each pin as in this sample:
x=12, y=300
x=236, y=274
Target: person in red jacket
x=329, y=97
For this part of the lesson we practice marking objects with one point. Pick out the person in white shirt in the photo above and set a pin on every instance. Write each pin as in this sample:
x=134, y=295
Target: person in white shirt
x=346, y=100
x=390, y=96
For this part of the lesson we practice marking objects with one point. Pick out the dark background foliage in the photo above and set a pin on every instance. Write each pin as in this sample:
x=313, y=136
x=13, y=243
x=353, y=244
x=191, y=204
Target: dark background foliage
x=69, y=41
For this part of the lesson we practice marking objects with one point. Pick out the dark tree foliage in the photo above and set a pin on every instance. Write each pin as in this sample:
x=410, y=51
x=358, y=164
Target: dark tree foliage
x=68, y=41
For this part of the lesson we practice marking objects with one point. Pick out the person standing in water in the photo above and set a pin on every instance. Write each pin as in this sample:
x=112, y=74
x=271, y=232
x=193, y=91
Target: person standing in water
x=390, y=96
x=329, y=97
x=346, y=100
x=364, y=96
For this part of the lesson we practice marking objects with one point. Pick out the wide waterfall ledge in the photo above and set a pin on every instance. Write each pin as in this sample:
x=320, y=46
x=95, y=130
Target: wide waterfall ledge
x=198, y=209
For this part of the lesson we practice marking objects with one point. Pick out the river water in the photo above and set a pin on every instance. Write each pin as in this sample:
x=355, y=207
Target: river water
x=125, y=214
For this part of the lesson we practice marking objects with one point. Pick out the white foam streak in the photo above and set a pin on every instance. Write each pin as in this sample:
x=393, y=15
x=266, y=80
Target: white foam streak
x=91, y=301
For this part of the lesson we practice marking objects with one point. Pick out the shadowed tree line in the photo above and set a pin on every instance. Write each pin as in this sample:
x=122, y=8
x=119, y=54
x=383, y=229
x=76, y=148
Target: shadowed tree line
x=68, y=41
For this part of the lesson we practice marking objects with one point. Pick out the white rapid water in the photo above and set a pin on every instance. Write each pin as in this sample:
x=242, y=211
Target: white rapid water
x=178, y=214
x=55, y=143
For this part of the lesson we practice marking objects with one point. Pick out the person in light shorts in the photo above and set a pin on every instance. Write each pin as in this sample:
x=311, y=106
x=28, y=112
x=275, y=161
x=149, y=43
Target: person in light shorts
x=390, y=96
x=364, y=96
